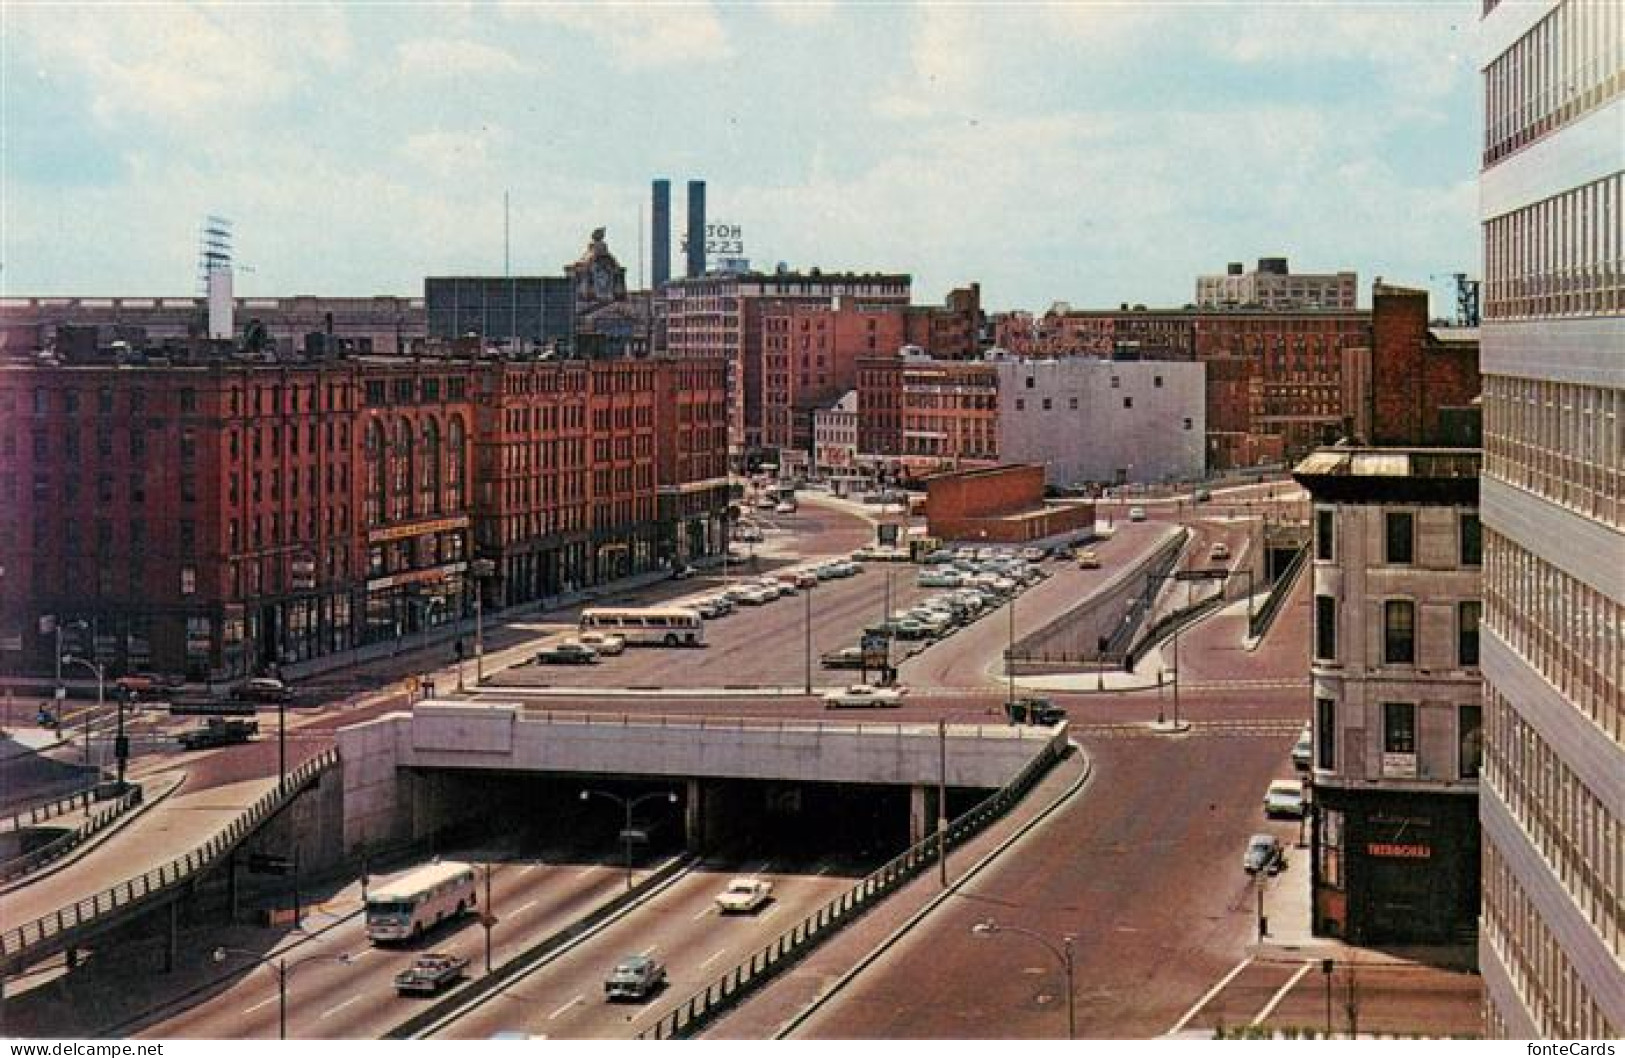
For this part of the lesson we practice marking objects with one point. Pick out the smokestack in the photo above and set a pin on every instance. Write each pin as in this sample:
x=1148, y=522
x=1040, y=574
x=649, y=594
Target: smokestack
x=661, y=234
x=220, y=303
x=696, y=228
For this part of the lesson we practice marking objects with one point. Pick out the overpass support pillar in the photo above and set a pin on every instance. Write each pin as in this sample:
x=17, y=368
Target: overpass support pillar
x=919, y=813
x=172, y=938
x=694, y=816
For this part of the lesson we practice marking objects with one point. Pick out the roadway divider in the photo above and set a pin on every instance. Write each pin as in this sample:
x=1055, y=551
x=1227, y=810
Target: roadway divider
x=728, y=990
x=466, y=999
x=64, y=843
x=69, y=925
x=1261, y=621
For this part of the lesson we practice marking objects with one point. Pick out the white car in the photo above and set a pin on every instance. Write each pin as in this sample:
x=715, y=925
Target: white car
x=606, y=643
x=784, y=508
x=1284, y=798
x=1219, y=552
x=1136, y=514
x=744, y=895
x=860, y=695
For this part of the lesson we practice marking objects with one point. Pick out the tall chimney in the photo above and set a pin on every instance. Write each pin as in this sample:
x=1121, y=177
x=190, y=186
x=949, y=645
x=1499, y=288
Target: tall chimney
x=661, y=234
x=696, y=228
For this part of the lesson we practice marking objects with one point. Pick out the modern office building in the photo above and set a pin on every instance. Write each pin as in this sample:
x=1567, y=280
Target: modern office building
x=1552, y=199
x=1274, y=286
x=528, y=310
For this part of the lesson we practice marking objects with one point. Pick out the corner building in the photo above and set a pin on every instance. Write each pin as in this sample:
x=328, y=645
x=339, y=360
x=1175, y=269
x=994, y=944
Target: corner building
x=1552, y=942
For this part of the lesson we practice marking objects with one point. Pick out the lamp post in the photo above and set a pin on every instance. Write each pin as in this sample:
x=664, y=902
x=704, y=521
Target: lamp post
x=119, y=747
x=630, y=804
x=282, y=968
x=807, y=594
x=1010, y=656
x=481, y=568
x=988, y=928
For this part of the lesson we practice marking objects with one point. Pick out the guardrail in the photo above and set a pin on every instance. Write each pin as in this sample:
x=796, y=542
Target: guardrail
x=43, y=810
x=786, y=724
x=1265, y=616
x=60, y=846
x=49, y=932
x=789, y=947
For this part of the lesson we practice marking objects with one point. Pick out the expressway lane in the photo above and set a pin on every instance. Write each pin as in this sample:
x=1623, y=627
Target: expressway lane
x=331, y=998
x=680, y=927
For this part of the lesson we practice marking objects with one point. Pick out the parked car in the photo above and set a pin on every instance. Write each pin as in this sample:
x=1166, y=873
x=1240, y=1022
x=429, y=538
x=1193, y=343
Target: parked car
x=784, y=508
x=569, y=652
x=1203, y=495
x=1136, y=514
x=149, y=683
x=910, y=628
x=1219, y=552
x=265, y=689
x=682, y=573
x=932, y=578
x=1284, y=798
x=607, y=644
x=1263, y=854
x=1303, y=750
x=744, y=895
x=844, y=658
x=941, y=556
x=1088, y=560
x=748, y=534
x=1032, y=554
x=860, y=695
x=635, y=977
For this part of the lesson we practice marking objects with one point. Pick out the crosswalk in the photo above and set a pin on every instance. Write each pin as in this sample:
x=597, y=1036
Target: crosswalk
x=1269, y=727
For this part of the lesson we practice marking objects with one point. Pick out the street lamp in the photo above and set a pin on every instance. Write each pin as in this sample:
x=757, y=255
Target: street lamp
x=282, y=968
x=630, y=804
x=988, y=928
x=481, y=568
x=807, y=594
x=120, y=747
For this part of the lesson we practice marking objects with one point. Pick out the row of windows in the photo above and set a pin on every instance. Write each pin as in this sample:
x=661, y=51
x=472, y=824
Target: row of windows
x=1570, y=62
x=1546, y=981
x=1562, y=256
x=1399, y=640
x=379, y=393
x=106, y=491
x=1561, y=441
x=69, y=404
x=1399, y=736
x=1580, y=839
x=1570, y=633
x=1399, y=537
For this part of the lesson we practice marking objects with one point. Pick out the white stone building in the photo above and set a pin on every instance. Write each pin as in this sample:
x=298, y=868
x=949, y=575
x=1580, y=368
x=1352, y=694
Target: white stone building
x=1274, y=286
x=835, y=436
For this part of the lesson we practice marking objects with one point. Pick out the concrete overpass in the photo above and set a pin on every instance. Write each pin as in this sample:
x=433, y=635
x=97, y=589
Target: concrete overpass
x=393, y=764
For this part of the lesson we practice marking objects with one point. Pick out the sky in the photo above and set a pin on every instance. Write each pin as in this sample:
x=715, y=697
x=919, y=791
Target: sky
x=1092, y=153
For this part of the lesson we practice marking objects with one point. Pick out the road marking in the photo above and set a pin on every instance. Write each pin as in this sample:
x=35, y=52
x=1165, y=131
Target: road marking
x=334, y=1010
x=529, y=868
x=1208, y=997
x=565, y=1009
x=820, y=872
x=703, y=912
x=586, y=872
x=714, y=957
x=1275, y=1000
x=261, y=1003
x=771, y=909
x=524, y=907
x=358, y=955
x=650, y=950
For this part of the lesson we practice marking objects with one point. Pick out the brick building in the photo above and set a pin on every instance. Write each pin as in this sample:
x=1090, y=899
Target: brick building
x=918, y=415
x=1000, y=504
x=1417, y=382
x=809, y=359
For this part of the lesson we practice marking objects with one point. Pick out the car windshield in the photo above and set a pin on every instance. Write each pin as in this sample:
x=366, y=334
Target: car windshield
x=389, y=907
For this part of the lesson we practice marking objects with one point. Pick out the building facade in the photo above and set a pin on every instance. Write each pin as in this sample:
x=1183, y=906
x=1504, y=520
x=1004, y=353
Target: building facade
x=835, y=437
x=1552, y=200
x=516, y=310
x=1000, y=504
x=918, y=415
x=1274, y=286
x=1089, y=420
x=1398, y=729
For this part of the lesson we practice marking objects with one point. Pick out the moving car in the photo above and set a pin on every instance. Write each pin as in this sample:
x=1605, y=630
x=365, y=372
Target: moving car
x=1263, y=854
x=1136, y=514
x=744, y=895
x=607, y=644
x=1303, y=750
x=1040, y=711
x=682, y=573
x=1203, y=495
x=749, y=534
x=784, y=508
x=218, y=731
x=570, y=652
x=1088, y=560
x=844, y=658
x=861, y=695
x=264, y=689
x=428, y=974
x=634, y=977
x=1218, y=552
x=1284, y=798
x=149, y=682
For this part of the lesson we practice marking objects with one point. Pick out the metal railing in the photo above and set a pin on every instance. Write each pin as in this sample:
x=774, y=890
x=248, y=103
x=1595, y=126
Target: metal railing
x=47, y=933
x=43, y=810
x=1261, y=620
x=65, y=843
x=726, y=991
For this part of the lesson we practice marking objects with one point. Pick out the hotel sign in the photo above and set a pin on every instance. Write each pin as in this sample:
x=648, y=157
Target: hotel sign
x=403, y=532
x=1397, y=851
x=416, y=576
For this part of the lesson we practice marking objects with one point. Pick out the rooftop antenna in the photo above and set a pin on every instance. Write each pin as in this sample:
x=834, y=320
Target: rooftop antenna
x=507, y=273
x=214, y=249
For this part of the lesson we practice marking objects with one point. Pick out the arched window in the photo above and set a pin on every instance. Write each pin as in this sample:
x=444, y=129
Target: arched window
x=400, y=473
x=377, y=474
x=429, y=468
x=454, y=462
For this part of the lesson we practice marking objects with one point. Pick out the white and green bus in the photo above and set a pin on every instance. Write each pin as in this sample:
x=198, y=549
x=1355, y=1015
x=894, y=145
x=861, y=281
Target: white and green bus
x=658, y=626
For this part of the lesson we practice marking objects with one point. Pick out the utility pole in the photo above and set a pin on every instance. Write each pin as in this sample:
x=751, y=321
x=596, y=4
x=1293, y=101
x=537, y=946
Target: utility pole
x=807, y=623
x=942, y=801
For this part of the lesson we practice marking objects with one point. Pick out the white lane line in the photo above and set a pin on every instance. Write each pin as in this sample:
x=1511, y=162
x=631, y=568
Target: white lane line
x=650, y=950
x=529, y=868
x=1208, y=997
x=261, y=1003
x=714, y=957
x=334, y=1010
x=1275, y=1000
x=702, y=913
x=357, y=955
x=524, y=907
x=587, y=872
x=771, y=909
x=820, y=872
x=565, y=1009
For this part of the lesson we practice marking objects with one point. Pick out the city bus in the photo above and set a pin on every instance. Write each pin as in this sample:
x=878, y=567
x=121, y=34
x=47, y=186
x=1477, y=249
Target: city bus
x=419, y=901
x=668, y=626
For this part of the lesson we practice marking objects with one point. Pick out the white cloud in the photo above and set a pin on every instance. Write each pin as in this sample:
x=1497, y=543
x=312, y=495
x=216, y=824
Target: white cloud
x=638, y=36
x=801, y=12
x=433, y=58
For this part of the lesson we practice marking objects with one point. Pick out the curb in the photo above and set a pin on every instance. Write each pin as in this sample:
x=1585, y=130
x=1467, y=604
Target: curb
x=95, y=842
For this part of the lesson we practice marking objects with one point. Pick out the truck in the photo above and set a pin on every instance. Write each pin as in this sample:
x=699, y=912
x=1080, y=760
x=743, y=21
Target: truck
x=428, y=974
x=1039, y=711
x=218, y=731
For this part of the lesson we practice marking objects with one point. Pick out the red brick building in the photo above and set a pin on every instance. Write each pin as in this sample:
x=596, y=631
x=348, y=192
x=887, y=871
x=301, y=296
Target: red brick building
x=809, y=359
x=1002, y=504
x=918, y=415
x=1421, y=380
x=691, y=453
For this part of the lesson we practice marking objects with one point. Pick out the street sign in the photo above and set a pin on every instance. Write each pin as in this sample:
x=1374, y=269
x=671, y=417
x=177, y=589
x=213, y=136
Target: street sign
x=635, y=836
x=264, y=863
x=1202, y=574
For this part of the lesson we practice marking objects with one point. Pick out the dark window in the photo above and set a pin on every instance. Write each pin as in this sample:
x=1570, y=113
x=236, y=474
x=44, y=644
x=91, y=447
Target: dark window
x=1401, y=536
x=1472, y=540
x=1469, y=740
x=1467, y=614
x=1021, y=404
x=1030, y=383
x=375, y=393
x=104, y=400
x=138, y=488
x=188, y=400
x=188, y=536
x=1156, y=381
x=1398, y=727
x=104, y=488
x=70, y=401
x=1046, y=404
x=1325, y=628
x=188, y=488
x=1325, y=520
x=1399, y=632
x=1326, y=733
